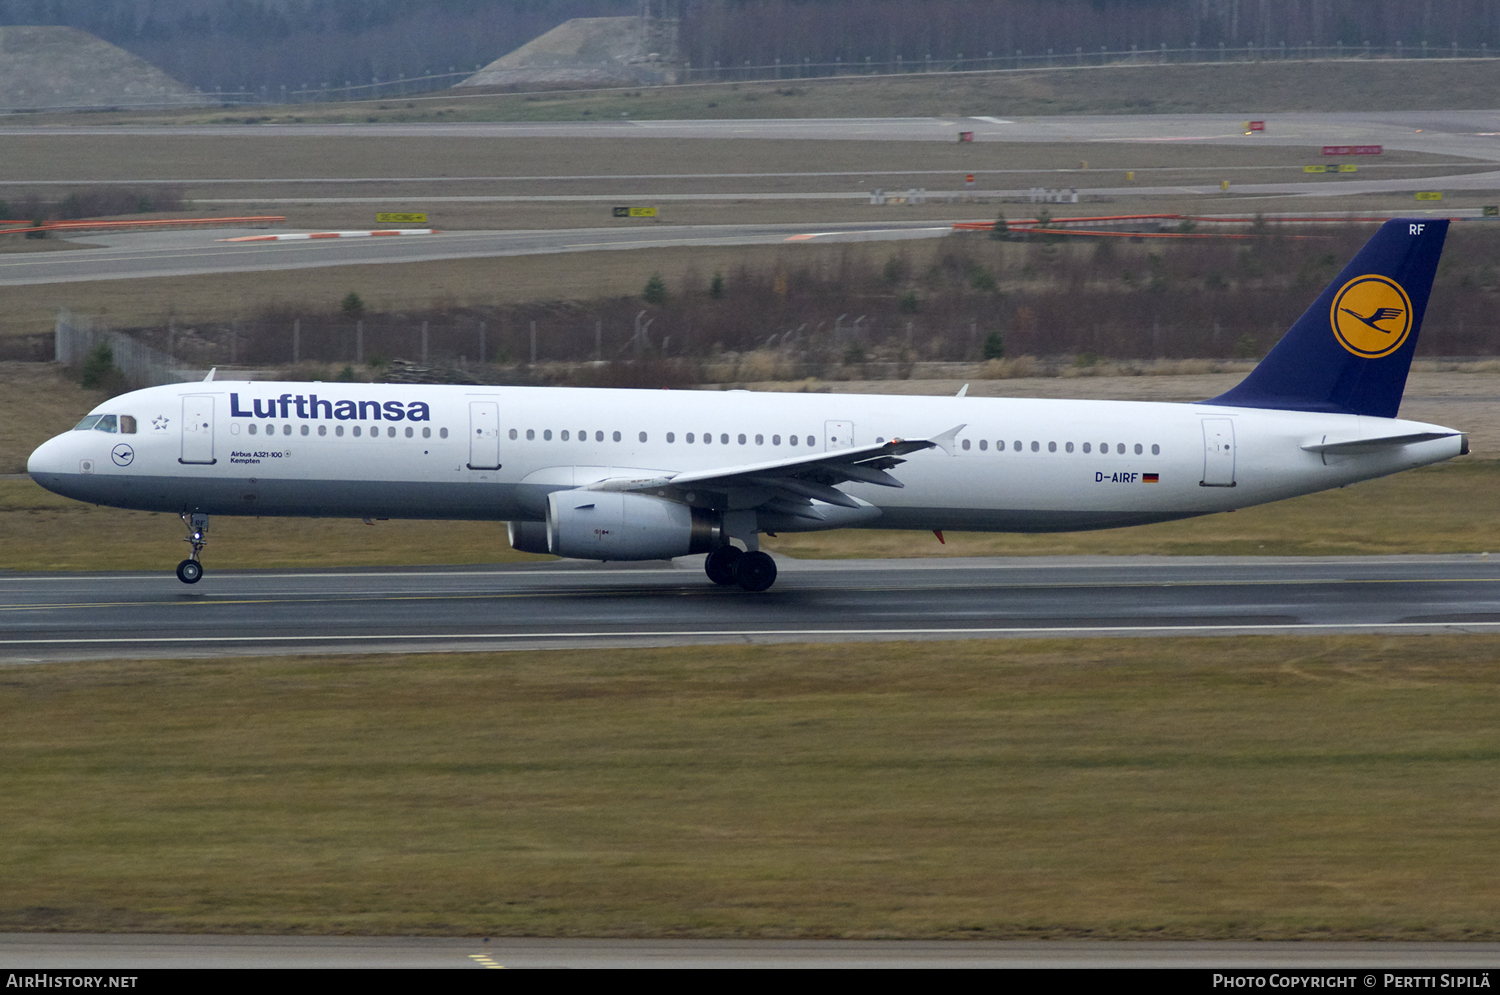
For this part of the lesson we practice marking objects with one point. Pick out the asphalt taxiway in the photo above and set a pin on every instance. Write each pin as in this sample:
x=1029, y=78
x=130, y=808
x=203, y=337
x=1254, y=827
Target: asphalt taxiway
x=45, y=617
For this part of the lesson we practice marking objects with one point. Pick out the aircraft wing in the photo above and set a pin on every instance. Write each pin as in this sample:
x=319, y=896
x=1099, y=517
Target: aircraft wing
x=788, y=486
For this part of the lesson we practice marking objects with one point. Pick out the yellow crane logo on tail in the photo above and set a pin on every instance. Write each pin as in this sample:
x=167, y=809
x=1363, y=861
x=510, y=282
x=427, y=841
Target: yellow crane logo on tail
x=1371, y=316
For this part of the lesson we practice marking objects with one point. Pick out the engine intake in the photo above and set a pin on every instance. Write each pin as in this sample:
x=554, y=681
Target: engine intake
x=610, y=525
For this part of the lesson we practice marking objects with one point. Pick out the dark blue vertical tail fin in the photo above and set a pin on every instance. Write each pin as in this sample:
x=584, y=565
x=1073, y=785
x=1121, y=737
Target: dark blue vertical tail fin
x=1350, y=352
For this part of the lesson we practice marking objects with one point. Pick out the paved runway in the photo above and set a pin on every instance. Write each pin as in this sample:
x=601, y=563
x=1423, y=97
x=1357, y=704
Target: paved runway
x=1474, y=133
x=92, y=952
x=201, y=251
x=571, y=604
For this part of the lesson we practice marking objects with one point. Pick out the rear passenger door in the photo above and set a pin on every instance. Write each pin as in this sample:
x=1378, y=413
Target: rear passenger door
x=484, y=435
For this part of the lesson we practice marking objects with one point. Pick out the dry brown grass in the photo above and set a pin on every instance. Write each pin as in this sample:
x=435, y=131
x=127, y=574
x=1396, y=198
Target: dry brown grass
x=187, y=157
x=33, y=310
x=1447, y=509
x=1261, y=788
x=1378, y=85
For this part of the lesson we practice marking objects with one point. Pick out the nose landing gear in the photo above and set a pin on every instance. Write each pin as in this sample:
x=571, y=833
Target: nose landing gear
x=190, y=571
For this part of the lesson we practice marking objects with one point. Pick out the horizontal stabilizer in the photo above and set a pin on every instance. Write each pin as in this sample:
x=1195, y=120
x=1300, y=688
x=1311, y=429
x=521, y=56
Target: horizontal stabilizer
x=1351, y=447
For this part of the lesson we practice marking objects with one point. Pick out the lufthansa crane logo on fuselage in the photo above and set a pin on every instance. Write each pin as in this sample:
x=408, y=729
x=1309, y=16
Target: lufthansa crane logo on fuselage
x=1371, y=316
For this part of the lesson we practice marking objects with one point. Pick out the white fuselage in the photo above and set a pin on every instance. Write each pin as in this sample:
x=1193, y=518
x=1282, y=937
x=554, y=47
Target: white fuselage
x=259, y=448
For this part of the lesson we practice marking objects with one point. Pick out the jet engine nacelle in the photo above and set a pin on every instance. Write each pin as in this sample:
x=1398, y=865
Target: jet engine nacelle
x=610, y=525
x=528, y=537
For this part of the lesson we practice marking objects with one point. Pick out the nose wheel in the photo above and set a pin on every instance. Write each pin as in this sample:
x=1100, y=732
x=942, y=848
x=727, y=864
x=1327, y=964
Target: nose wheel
x=190, y=570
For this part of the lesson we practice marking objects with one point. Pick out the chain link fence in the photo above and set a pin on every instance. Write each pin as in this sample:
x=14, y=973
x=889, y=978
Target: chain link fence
x=78, y=336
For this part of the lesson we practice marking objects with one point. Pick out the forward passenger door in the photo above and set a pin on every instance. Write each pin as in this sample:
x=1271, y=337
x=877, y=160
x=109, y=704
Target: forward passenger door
x=197, y=429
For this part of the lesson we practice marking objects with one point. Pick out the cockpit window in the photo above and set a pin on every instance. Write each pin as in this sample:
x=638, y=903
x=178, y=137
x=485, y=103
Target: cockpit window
x=107, y=423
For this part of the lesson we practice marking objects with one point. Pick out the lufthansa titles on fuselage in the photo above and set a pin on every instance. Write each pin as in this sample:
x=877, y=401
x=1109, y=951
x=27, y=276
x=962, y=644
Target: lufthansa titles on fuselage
x=312, y=407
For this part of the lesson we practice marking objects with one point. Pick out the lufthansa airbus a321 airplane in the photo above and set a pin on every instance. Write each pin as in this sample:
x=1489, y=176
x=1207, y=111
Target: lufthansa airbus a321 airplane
x=633, y=475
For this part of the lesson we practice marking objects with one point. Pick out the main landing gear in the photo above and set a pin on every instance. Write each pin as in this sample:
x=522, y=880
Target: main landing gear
x=731, y=565
x=190, y=571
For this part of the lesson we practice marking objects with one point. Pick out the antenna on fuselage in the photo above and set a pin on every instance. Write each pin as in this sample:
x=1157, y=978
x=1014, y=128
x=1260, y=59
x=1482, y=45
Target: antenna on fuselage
x=210, y=374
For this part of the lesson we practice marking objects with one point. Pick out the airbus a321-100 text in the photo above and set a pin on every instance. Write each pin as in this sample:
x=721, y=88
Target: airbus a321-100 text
x=632, y=475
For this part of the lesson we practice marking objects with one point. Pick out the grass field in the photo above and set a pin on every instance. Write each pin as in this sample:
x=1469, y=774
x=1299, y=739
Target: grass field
x=1260, y=788
x=32, y=310
x=1445, y=509
x=1232, y=88
x=530, y=164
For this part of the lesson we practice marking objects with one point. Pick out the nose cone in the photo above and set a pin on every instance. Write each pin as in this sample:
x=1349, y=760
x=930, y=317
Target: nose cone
x=51, y=464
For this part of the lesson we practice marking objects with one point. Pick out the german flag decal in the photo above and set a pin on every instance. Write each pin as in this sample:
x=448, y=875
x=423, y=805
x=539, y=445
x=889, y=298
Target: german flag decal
x=1150, y=478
